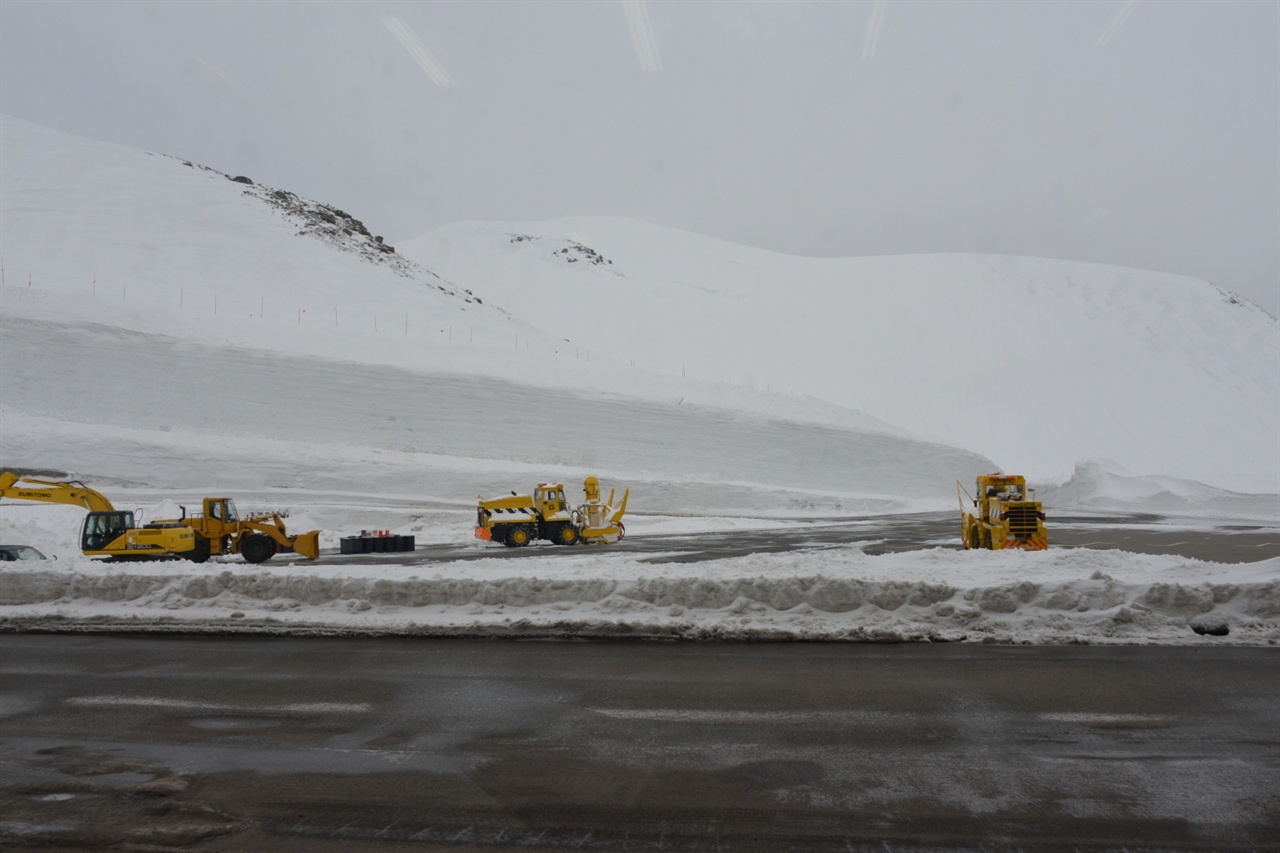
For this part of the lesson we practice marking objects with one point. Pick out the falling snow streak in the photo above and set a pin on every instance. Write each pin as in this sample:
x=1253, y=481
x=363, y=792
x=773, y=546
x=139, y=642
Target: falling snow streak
x=221, y=75
x=415, y=48
x=642, y=35
x=873, y=29
x=1116, y=23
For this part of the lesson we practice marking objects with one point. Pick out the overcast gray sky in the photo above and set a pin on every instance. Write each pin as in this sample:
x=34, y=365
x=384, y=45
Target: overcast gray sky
x=1145, y=134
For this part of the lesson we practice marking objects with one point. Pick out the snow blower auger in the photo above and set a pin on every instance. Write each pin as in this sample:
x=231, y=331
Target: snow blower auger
x=600, y=521
x=1006, y=517
x=517, y=520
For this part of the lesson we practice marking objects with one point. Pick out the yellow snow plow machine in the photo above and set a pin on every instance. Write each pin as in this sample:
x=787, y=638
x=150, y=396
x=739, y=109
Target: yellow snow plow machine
x=1006, y=516
x=517, y=520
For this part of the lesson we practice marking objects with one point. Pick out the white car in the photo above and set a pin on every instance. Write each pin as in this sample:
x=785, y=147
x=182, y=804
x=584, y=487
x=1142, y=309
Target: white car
x=9, y=553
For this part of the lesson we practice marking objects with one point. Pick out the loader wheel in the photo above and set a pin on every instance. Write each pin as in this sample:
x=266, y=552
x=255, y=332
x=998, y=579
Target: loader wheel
x=200, y=553
x=517, y=537
x=256, y=548
x=567, y=535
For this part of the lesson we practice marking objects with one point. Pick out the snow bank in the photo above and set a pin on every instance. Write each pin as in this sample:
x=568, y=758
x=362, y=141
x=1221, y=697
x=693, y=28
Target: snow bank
x=1062, y=596
x=1103, y=484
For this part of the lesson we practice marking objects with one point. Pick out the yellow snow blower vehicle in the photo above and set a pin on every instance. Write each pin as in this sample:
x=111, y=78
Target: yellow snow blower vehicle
x=517, y=520
x=1006, y=517
x=257, y=537
x=108, y=532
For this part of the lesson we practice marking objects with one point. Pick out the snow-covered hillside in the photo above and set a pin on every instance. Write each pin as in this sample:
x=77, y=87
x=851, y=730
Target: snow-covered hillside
x=168, y=332
x=1035, y=363
x=165, y=323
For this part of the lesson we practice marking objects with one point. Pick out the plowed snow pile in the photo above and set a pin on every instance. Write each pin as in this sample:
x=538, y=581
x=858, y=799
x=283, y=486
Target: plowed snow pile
x=1067, y=595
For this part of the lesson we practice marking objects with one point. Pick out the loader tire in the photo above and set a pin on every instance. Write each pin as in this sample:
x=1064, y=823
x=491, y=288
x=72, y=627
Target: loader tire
x=567, y=535
x=256, y=548
x=517, y=537
x=200, y=553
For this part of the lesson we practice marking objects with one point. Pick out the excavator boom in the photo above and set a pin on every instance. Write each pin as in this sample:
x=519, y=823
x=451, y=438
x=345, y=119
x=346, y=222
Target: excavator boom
x=74, y=492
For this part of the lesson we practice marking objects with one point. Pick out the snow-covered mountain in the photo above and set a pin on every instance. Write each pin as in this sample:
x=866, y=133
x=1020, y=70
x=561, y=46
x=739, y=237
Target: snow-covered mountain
x=1034, y=363
x=164, y=323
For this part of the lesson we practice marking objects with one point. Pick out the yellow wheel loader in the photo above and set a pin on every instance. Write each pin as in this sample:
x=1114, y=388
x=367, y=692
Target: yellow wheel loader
x=108, y=532
x=1006, y=516
x=517, y=520
x=219, y=529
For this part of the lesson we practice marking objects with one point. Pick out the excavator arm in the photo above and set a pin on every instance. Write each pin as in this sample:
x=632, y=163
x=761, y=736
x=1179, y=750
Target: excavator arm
x=74, y=492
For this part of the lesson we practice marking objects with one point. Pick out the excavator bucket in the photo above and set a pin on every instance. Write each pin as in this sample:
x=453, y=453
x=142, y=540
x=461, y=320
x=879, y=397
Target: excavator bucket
x=307, y=544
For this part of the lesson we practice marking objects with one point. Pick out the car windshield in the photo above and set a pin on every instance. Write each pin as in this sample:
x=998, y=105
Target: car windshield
x=23, y=552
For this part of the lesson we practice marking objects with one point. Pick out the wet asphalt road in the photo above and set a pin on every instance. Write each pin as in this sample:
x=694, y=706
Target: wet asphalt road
x=242, y=743
x=1224, y=542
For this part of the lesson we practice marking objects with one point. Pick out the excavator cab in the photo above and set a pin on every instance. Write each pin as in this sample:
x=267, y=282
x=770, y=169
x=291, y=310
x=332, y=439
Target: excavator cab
x=102, y=528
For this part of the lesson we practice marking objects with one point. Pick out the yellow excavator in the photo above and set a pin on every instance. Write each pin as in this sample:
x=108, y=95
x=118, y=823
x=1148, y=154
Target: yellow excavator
x=517, y=520
x=107, y=531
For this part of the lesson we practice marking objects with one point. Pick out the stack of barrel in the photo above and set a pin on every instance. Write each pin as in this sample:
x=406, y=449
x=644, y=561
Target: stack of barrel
x=376, y=542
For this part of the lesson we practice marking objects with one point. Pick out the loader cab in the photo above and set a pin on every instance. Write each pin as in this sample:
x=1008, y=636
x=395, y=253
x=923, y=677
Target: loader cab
x=102, y=528
x=221, y=509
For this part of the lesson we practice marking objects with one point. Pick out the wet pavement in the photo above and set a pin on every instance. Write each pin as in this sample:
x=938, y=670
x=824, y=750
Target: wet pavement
x=225, y=744
x=1215, y=541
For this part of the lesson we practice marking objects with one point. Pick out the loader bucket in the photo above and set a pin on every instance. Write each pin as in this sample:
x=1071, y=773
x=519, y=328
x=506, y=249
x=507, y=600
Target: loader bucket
x=307, y=544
